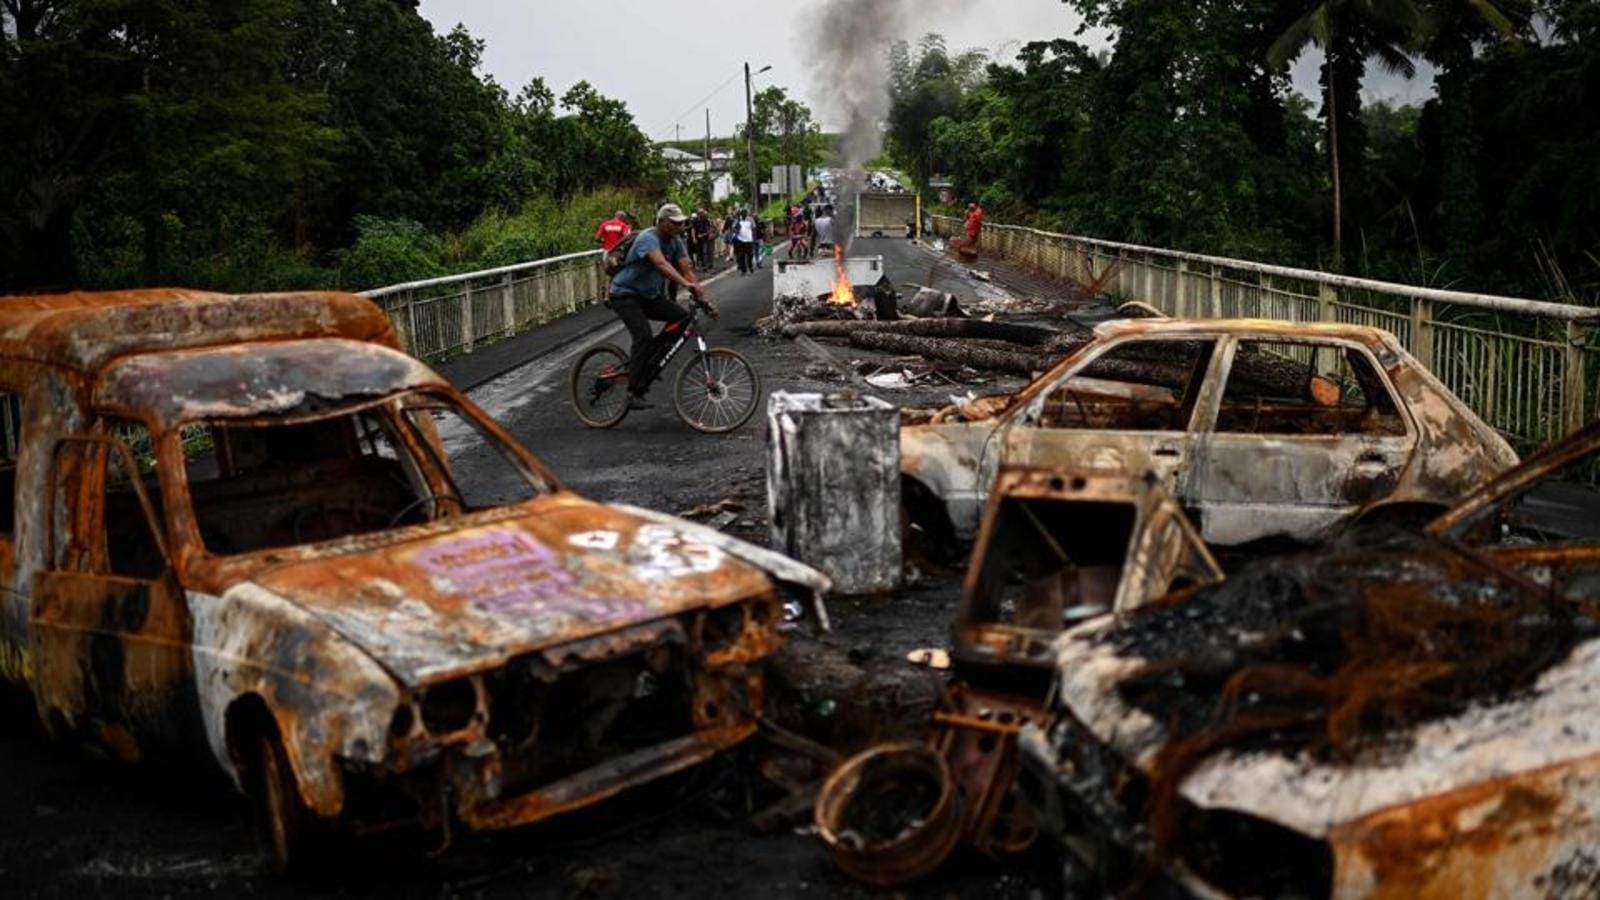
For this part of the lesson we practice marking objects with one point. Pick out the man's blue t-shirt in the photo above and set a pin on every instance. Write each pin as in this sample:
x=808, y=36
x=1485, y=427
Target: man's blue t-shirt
x=638, y=277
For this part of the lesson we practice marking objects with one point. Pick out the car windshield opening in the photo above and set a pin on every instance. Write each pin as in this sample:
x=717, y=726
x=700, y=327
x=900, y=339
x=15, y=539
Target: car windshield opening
x=356, y=468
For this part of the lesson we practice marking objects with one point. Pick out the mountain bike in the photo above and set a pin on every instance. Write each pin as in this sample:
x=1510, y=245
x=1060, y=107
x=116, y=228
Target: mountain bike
x=716, y=391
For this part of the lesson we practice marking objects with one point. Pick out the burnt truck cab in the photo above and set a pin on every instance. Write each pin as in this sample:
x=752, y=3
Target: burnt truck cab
x=1261, y=430
x=253, y=527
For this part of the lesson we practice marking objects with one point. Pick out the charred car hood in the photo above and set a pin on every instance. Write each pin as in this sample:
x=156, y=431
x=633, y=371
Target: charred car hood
x=561, y=569
x=1549, y=724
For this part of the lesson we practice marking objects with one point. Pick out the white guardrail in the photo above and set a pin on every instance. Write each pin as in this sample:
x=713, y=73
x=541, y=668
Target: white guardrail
x=1529, y=367
x=444, y=317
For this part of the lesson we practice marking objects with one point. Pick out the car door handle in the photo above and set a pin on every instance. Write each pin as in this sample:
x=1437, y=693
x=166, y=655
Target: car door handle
x=1372, y=459
x=1167, y=452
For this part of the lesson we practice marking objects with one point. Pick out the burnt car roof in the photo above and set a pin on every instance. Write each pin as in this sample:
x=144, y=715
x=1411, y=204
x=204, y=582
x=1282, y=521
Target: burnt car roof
x=1372, y=337
x=86, y=330
x=256, y=379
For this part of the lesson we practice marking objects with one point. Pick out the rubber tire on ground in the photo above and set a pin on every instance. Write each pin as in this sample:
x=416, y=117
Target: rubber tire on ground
x=579, y=391
x=288, y=829
x=691, y=369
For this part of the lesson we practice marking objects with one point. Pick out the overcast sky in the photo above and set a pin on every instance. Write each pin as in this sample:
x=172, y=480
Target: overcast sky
x=671, y=61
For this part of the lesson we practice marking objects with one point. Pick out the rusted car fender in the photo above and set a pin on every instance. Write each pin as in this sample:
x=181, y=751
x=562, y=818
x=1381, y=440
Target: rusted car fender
x=329, y=699
x=947, y=460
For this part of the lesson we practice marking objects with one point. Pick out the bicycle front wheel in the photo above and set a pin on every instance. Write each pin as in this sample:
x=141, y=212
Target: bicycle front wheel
x=717, y=391
x=600, y=386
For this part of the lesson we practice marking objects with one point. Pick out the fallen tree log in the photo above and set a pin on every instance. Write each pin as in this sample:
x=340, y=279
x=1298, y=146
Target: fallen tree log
x=1025, y=335
x=996, y=355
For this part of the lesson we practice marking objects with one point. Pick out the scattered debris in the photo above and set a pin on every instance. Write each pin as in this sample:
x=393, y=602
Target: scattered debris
x=891, y=814
x=725, y=505
x=928, y=303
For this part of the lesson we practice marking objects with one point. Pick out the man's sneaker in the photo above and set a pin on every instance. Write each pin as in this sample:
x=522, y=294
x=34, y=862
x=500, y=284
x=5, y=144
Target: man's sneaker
x=639, y=403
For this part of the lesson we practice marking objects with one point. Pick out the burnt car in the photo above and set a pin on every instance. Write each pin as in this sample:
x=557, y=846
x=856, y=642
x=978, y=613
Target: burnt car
x=251, y=526
x=1405, y=714
x=1260, y=430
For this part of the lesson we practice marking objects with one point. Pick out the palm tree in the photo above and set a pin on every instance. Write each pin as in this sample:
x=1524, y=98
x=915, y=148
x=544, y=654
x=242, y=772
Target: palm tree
x=1350, y=31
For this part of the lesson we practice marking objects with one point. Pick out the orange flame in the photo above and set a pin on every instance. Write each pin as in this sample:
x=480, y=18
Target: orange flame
x=843, y=293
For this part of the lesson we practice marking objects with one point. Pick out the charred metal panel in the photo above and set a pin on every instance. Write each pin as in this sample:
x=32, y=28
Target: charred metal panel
x=833, y=486
x=475, y=596
x=86, y=330
x=255, y=380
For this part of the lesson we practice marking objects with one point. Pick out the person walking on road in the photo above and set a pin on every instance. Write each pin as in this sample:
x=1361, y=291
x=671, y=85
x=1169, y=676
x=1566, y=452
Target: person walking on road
x=638, y=292
x=703, y=233
x=612, y=231
x=744, y=242
x=967, y=248
x=797, y=237
x=824, y=230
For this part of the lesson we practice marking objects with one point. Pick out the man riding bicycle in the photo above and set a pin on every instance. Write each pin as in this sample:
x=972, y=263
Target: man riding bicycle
x=639, y=291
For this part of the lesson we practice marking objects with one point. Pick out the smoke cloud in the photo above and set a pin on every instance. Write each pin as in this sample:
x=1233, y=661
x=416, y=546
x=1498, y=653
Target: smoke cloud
x=849, y=44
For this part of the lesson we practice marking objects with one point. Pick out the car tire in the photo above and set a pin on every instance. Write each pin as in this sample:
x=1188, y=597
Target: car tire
x=288, y=829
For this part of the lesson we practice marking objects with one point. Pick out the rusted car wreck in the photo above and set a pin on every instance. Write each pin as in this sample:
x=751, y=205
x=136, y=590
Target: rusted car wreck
x=1403, y=715
x=252, y=525
x=1260, y=430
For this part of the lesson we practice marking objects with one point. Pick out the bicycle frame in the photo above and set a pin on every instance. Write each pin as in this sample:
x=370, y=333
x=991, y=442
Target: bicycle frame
x=678, y=333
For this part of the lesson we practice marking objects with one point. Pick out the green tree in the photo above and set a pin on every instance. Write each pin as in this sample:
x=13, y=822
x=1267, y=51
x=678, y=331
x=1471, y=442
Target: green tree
x=1458, y=28
x=1348, y=32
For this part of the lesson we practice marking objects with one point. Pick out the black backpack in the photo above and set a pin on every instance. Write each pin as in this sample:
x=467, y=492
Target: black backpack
x=617, y=257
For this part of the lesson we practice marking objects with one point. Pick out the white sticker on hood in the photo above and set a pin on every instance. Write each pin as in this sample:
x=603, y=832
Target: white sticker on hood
x=661, y=551
x=595, y=540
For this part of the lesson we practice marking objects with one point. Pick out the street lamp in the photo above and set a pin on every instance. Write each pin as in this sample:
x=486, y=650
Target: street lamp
x=750, y=138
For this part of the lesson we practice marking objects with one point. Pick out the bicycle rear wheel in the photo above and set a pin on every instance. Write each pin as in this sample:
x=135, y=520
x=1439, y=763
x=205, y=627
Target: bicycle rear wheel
x=717, y=391
x=600, y=386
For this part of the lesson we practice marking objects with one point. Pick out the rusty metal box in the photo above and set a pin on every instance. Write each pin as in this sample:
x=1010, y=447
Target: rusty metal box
x=833, y=486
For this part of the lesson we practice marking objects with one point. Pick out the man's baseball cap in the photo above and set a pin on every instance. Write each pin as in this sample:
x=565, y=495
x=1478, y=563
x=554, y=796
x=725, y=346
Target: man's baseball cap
x=672, y=212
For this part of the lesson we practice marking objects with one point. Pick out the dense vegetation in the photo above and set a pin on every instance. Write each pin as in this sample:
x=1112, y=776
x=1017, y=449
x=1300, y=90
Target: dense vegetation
x=1187, y=133
x=258, y=144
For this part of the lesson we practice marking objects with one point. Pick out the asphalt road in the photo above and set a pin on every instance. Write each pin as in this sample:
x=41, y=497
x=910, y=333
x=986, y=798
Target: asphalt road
x=71, y=825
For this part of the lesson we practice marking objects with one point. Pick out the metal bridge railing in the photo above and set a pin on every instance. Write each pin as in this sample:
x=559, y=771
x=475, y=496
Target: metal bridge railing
x=444, y=317
x=1530, y=368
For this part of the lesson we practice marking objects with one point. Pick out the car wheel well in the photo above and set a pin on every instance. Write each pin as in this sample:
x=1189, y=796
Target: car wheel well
x=247, y=720
x=934, y=534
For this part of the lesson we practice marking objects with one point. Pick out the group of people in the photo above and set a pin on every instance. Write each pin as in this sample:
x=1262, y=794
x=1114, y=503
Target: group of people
x=810, y=230
x=741, y=236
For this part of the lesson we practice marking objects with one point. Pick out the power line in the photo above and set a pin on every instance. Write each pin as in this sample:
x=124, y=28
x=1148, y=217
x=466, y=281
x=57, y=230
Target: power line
x=698, y=103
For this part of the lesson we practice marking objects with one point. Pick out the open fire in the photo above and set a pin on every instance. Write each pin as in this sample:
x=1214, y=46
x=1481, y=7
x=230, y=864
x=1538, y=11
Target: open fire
x=843, y=293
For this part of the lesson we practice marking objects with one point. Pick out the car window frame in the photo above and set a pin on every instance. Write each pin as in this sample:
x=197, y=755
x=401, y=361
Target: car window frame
x=1225, y=359
x=1030, y=409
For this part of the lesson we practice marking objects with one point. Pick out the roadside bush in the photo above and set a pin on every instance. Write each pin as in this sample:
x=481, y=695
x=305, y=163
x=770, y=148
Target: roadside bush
x=389, y=251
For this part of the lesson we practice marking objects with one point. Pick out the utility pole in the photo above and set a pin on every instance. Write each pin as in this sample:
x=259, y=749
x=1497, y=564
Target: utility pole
x=750, y=142
x=711, y=193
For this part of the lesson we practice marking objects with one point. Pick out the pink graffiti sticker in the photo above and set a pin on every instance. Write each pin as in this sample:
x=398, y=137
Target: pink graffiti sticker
x=512, y=574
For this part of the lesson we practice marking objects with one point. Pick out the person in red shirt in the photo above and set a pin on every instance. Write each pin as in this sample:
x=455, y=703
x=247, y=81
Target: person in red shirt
x=974, y=229
x=612, y=231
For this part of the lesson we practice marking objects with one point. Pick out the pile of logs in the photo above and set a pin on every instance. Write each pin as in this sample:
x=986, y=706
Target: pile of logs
x=1028, y=350
x=998, y=346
